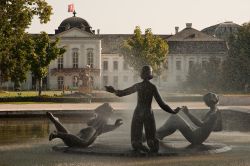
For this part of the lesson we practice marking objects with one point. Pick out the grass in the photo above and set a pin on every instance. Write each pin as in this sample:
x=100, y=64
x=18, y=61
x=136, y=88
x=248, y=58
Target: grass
x=29, y=93
x=27, y=102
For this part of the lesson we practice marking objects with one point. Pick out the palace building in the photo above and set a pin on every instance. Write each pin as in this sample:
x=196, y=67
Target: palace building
x=99, y=55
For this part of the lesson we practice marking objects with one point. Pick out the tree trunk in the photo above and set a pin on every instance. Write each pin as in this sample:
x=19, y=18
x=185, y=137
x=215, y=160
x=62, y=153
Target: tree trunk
x=40, y=86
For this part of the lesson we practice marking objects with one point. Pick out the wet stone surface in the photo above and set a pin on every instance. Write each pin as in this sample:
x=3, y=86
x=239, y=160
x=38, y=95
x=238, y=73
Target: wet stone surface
x=167, y=148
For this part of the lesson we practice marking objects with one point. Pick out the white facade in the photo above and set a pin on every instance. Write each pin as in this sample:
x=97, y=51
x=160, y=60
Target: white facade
x=115, y=71
x=82, y=49
x=179, y=65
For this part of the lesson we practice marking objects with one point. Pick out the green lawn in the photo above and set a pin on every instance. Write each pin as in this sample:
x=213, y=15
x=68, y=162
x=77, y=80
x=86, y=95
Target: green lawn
x=28, y=93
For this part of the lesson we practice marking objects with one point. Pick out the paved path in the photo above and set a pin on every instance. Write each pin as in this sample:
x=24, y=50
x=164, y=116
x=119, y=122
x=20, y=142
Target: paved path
x=91, y=106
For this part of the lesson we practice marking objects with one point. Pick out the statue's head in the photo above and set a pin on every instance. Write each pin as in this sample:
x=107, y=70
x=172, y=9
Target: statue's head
x=147, y=72
x=104, y=110
x=211, y=99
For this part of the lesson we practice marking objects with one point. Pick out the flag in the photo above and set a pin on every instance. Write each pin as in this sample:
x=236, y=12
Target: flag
x=71, y=8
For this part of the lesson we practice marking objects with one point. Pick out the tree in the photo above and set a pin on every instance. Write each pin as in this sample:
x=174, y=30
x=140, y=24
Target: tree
x=206, y=76
x=236, y=69
x=147, y=49
x=212, y=74
x=45, y=50
x=20, y=64
x=194, y=77
x=15, y=17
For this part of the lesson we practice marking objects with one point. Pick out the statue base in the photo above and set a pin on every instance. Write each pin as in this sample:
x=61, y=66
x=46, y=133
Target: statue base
x=167, y=148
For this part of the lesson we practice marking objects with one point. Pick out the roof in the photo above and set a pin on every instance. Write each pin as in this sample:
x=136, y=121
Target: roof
x=111, y=43
x=197, y=47
x=191, y=34
x=223, y=30
x=74, y=22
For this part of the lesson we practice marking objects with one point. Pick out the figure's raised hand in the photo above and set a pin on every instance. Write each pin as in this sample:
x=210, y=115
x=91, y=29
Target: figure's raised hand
x=110, y=89
x=185, y=109
x=118, y=122
x=176, y=110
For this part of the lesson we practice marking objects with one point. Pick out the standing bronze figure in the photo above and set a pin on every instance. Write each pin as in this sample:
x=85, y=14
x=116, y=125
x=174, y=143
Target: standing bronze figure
x=143, y=114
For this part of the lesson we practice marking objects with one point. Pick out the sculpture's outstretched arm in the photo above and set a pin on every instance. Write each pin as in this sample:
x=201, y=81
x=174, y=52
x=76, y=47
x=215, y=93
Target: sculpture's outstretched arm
x=162, y=104
x=121, y=93
x=108, y=127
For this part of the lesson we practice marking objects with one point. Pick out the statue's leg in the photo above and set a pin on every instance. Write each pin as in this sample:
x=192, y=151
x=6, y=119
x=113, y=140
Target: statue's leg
x=136, y=134
x=168, y=128
x=176, y=122
x=150, y=133
x=186, y=130
x=74, y=141
x=55, y=121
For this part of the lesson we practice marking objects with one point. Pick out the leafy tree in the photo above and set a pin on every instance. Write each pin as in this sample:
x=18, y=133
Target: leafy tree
x=194, y=77
x=15, y=17
x=205, y=76
x=45, y=50
x=147, y=49
x=212, y=74
x=236, y=69
x=19, y=56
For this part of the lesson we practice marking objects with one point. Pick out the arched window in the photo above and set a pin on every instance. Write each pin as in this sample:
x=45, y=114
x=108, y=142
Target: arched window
x=60, y=82
x=90, y=57
x=60, y=62
x=75, y=57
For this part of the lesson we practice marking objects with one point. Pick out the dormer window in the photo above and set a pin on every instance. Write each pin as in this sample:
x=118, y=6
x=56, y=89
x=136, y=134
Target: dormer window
x=67, y=27
x=82, y=27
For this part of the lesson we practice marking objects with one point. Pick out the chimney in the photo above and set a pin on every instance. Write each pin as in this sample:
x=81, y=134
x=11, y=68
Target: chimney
x=176, y=29
x=188, y=25
x=98, y=31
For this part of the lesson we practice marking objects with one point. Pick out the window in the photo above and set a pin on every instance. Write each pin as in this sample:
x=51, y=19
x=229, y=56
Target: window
x=125, y=65
x=219, y=60
x=91, y=81
x=125, y=78
x=60, y=62
x=75, y=81
x=178, y=65
x=178, y=78
x=191, y=64
x=60, y=82
x=164, y=78
x=115, y=65
x=90, y=57
x=115, y=81
x=105, y=80
x=75, y=56
x=105, y=65
x=203, y=63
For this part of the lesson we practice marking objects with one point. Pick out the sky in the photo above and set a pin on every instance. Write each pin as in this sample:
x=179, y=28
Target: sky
x=121, y=16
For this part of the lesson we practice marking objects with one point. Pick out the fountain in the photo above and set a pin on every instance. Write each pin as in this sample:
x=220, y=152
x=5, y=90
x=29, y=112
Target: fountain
x=194, y=130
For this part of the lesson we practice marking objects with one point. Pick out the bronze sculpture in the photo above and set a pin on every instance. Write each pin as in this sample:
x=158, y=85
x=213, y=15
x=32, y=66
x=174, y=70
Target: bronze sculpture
x=196, y=131
x=143, y=114
x=96, y=126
